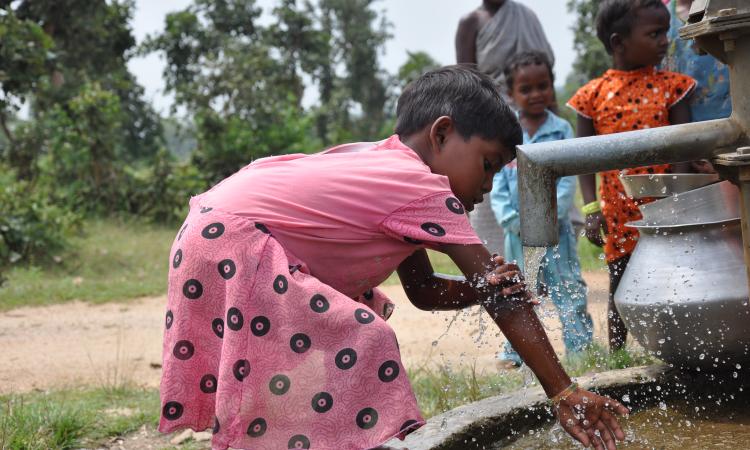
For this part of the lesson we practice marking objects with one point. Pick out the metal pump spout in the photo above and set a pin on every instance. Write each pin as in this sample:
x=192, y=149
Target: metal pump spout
x=540, y=165
x=721, y=27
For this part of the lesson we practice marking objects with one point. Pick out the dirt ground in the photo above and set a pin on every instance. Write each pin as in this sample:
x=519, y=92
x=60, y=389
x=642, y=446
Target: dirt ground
x=76, y=344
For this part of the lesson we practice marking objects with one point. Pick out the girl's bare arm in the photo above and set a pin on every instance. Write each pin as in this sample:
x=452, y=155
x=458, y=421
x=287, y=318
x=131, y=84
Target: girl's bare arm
x=585, y=128
x=430, y=291
x=514, y=315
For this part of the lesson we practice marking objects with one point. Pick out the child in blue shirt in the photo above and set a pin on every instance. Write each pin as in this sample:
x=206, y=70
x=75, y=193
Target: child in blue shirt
x=530, y=83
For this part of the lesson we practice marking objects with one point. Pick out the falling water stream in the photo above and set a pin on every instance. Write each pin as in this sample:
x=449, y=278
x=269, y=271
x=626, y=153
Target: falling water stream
x=532, y=261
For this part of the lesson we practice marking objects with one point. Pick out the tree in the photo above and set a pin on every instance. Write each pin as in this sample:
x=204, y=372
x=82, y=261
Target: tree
x=353, y=100
x=415, y=66
x=25, y=58
x=89, y=41
x=243, y=82
x=591, y=57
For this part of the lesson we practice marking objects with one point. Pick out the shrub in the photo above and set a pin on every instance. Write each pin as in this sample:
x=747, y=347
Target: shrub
x=160, y=190
x=31, y=227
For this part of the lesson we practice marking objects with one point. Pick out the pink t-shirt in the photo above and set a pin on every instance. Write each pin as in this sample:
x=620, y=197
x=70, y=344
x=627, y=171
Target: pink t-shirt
x=352, y=214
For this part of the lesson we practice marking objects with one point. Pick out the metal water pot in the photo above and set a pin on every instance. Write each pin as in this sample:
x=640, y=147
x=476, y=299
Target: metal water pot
x=684, y=294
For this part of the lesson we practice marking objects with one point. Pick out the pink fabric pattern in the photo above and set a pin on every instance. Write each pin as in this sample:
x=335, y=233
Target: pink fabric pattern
x=259, y=348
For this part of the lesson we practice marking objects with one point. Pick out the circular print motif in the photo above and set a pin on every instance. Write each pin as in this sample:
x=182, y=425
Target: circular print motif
x=218, y=326
x=260, y=326
x=367, y=418
x=300, y=343
x=346, y=358
x=208, y=384
x=262, y=228
x=319, y=304
x=454, y=205
x=192, y=289
x=387, y=310
x=172, y=410
x=183, y=350
x=234, y=319
x=257, y=428
x=169, y=319
x=205, y=209
x=227, y=269
x=299, y=441
x=388, y=371
x=412, y=241
x=406, y=426
x=212, y=231
x=363, y=316
x=217, y=427
x=369, y=295
x=433, y=229
x=280, y=284
x=322, y=402
x=182, y=231
x=177, y=258
x=279, y=384
x=241, y=369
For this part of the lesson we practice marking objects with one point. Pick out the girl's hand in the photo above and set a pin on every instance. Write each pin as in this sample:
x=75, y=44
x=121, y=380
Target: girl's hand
x=510, y=279
x=595, y=224
x=590, y=419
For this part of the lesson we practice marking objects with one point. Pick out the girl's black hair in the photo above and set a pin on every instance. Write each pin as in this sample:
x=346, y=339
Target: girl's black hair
x=464, y=94
x=618, y=16
x=524, y=59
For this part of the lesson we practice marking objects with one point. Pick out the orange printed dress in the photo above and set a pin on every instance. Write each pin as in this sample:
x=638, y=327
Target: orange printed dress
x=622, y=101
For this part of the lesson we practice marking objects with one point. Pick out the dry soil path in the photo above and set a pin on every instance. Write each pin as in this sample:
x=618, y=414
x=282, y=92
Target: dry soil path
x=78, y=344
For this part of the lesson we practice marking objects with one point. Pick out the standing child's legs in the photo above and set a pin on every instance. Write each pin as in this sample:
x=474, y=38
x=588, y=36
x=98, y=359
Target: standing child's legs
x=562, y=274
x=618, y=334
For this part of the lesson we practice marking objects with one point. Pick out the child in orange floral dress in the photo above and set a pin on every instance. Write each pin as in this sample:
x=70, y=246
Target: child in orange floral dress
x=632, y=95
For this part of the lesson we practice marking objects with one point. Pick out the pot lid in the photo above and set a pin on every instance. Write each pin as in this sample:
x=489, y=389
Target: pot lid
x=712, y=204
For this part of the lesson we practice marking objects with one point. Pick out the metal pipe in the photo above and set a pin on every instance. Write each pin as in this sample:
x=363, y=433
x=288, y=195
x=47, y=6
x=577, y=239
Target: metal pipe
x=539, y=165
x=739, y=68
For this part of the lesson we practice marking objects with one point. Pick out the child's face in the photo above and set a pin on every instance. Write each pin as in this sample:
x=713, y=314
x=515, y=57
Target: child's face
x=532, y=89
x=647, y=43
x=470, y=165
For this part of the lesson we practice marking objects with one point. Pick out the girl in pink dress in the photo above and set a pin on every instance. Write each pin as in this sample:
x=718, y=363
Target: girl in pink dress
x=275, y=333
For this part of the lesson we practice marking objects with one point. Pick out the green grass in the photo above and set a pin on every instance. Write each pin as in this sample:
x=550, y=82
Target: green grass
x=591, y=256
x=74, y=418
x=91, y=417
x=441, y=389
x=110, y=260
x=118, y=260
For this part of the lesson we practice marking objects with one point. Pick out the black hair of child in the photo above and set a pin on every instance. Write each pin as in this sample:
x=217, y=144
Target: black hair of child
x=618, y=16
x=464, y=94
x=525, y=59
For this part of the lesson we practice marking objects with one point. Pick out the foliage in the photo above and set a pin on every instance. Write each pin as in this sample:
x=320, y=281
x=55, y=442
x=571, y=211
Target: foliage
x=243, y=82
x=159, y=190
x=92, y=42
x=25, y=58
x=51, y=51
x=592, y=59
x=31, y=227
x=415, y=66
x=79, y=166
